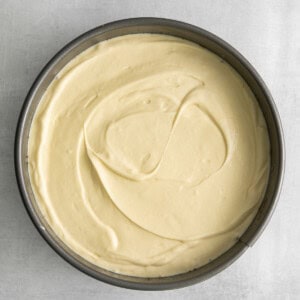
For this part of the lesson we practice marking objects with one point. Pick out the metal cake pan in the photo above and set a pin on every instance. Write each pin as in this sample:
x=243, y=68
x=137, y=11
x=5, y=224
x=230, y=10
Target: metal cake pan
x=212, y=43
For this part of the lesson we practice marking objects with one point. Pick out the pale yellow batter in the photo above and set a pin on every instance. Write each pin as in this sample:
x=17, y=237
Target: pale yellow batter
x=148, y=155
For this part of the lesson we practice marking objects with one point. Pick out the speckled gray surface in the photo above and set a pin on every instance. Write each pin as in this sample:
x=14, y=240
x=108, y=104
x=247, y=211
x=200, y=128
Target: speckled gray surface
x=266, y=32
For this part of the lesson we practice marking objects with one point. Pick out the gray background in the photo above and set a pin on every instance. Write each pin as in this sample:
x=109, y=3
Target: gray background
x=266, y=32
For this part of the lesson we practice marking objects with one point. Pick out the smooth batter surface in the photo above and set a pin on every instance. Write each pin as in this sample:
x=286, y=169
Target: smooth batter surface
x=148, y=155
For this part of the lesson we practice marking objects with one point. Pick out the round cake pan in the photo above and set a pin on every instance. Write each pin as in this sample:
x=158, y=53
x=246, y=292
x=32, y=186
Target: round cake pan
x=212, y=43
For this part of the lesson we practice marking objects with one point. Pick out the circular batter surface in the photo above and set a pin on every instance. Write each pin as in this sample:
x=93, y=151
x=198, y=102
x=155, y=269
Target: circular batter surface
x=148, y=155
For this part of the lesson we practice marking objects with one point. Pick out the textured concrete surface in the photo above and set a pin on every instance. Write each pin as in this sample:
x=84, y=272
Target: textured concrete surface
x=266, y=32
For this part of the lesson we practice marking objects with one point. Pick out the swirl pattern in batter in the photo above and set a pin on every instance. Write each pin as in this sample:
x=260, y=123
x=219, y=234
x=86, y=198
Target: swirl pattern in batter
x=148, y=155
